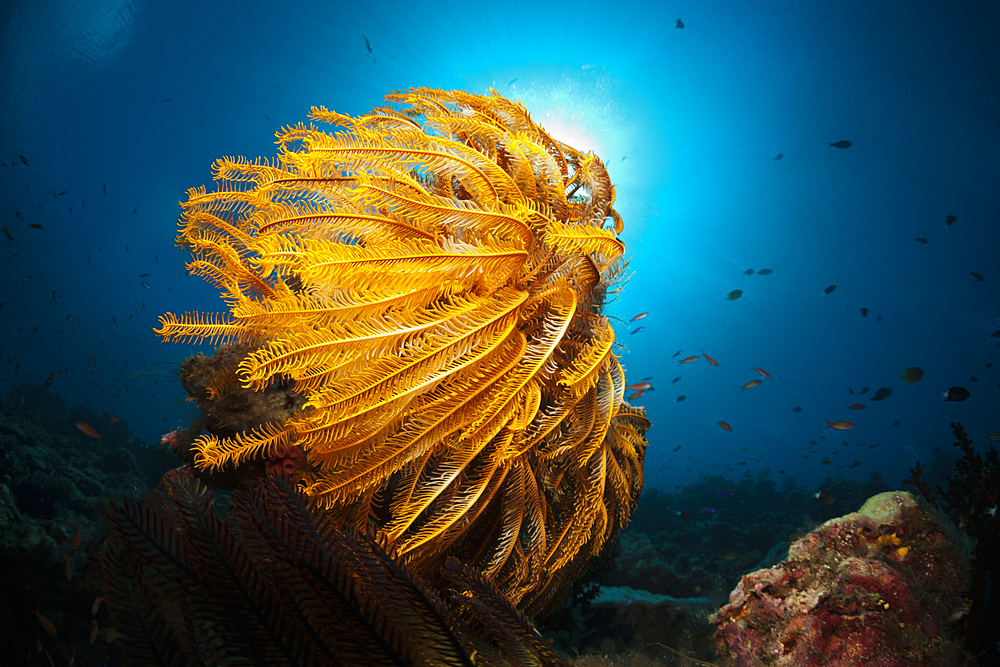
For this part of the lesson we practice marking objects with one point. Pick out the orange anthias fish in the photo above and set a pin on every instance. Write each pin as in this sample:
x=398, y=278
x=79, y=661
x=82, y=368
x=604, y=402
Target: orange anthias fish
x=638, y=394
x=750, y=385
x=639, y=386
x=46, y=624
x=689, y=360
x=726, y=427
x=87, y=429
x=709, y=359
x=840, y=426
x=639, y=317
x=856, y=406
x=762, y=372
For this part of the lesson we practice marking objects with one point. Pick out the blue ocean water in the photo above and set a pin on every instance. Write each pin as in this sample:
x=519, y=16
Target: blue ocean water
x=118, y=107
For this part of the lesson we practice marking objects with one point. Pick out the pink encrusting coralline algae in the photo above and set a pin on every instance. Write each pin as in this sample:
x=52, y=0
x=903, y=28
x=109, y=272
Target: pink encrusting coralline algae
x=875, y=588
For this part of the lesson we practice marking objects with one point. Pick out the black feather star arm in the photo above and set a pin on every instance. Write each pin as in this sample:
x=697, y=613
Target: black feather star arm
x=278, y=582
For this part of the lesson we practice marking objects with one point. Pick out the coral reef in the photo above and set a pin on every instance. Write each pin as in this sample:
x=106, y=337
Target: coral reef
x=419, y=295
x=877, y=587
x=54, y=481
x=969, y=497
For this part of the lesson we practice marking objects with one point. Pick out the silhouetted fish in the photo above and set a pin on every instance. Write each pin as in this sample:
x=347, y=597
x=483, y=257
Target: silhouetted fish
x=829, y=290
x=882, y=394
x=956, y=394
x=765, y=272
x=367, y=44
x=25, y=160
x=843, y=143
x=779, y=156
x=921, y=239
x=948, y=222
x=797, y=408
x=679, y=24
x=864, y=312
x=977, y=276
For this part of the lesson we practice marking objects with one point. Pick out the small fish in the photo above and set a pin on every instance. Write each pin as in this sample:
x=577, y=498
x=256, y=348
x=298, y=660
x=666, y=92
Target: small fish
x=778, y=156
x=895, y=423
x=35, y=225
x=995, y=436
x=164, y=99
x=843, y=143
x=829, y=290
x=735, y=294
x=50, y=379
x=765, y=272
x=921, y=239
x=950, y=220
x=69, y=569
x=973, y=378
x=639, y=386
x=762, y=372
x=882, y=394
x=25, y=161
x=826, y=462
x=864, y=390
x=638, y=394
x=751, y=384
x=855, y=464
x=63, y=192
x=511, y=82
x=911, y=375
x=678, y=352
x=726, y=427
x=88, y=430
x=145, y=275
x=748, y=272
x=840, y=426
x=689, y=360
x=637, y=330
x=78, y=535
x=678, y=448
x=113, y=420
x=864, y=312
x=105, y=186
x=6, y=232
x=797, y=408
x=368, y=45
x=45, y=623
x=94, y=630
x=676, y=380
x=825, y=497
x=94, y=608
x=977, y=276
x=145, y=284
x=639, y=317
x=856, y=406
x=135, y=210
x=680, y=399
x=709, y=359
x=678, y=24
x=647, y=379
x=725, y=494
x=956, y=394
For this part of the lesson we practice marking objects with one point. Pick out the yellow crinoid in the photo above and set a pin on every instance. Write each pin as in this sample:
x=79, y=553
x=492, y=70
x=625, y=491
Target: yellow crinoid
x=430, y=278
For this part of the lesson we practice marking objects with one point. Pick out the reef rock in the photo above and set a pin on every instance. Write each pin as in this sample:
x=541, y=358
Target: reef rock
x=876, y=588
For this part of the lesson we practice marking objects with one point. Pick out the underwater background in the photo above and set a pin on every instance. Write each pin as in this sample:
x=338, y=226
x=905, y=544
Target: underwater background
x=763, y=153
